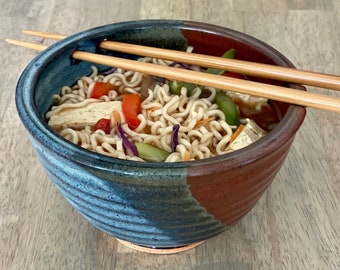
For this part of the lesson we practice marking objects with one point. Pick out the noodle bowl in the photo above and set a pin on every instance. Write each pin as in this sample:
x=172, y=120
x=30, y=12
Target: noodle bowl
x=152, y=204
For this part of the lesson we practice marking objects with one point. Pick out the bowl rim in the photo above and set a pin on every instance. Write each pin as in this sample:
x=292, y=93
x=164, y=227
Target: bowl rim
x=38, y=128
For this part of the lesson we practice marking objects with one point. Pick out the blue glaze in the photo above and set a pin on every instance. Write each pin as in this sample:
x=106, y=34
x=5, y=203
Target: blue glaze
x=157, y=211
x=149, y=204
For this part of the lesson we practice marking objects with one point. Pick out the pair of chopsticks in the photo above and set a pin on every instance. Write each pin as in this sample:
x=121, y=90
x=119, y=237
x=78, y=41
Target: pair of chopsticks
x=284, y=94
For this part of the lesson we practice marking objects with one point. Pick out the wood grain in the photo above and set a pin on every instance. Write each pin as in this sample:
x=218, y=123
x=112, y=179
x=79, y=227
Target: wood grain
x=296, y=223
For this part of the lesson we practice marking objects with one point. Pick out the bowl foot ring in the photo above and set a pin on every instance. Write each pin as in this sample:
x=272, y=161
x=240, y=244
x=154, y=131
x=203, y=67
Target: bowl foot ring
x=163, y=251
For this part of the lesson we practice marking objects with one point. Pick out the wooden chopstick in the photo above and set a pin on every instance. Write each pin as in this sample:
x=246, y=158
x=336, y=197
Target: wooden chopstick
x=303, y=98
x=243, y=67
x=29, y=45
x=55, y=36
x=285, y=74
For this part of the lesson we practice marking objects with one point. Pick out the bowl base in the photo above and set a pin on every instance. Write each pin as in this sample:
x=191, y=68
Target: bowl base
x=163, y=251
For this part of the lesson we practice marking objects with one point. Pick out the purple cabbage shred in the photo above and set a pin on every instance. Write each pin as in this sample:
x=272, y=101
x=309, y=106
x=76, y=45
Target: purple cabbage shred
x=174, y=137
x=183, y=65
x=109, y=71
x=130, y=148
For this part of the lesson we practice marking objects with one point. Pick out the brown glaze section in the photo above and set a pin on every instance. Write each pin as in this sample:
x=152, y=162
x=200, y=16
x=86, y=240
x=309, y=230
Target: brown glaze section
x=229, y=194
x=230, y=188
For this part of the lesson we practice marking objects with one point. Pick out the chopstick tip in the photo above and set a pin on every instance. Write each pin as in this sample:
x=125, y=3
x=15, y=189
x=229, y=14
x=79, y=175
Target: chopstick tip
x=12, y=41
x=34, y=46
x=43, y=34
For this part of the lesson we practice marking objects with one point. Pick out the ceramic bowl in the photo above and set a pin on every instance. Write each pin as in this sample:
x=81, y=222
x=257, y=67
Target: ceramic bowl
x=159, y=205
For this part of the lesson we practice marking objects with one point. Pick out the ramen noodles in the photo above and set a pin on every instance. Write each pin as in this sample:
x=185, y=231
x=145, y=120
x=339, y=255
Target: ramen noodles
x=114, y=114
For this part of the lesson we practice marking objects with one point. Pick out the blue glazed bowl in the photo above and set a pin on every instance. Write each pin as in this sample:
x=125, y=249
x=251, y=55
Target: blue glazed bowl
x=160, y=205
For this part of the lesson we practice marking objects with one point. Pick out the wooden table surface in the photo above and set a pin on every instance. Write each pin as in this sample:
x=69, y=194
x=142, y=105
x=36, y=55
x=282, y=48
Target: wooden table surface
x=295, y=225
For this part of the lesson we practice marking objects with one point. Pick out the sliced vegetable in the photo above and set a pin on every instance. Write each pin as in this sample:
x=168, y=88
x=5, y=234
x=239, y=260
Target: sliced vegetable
x=131, y=107
x=236, y=133
x=228, y=107
x=129, y=147
x=174, y=137
x=109, y=71
x=151, y=153
x=230, y=54
x=176, y=86
x=103, y=124
x=203, y=122
x=115, y=117
x=183, y=65
x=101, y=89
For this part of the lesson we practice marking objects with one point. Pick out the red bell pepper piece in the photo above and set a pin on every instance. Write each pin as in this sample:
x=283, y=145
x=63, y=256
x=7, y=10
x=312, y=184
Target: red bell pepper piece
x=101, y=89
x=131, y=107
x=103, y=124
